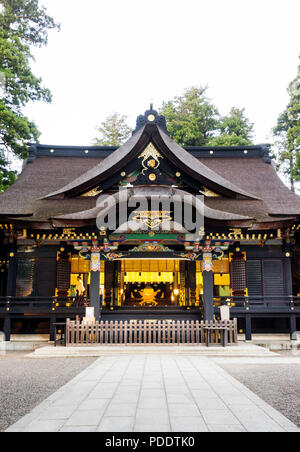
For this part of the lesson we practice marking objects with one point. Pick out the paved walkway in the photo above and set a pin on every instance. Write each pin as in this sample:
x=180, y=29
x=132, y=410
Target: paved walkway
x=154, y=393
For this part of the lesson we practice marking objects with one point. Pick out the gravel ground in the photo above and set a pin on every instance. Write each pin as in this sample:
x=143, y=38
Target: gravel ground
x=24, y=382
x=276, y=384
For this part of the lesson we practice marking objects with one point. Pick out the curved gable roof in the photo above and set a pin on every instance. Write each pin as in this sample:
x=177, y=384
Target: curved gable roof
x=116, y=161
x=196, y=169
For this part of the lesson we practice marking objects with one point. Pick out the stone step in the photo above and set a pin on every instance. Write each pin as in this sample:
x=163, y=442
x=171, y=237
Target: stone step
x=242, y=349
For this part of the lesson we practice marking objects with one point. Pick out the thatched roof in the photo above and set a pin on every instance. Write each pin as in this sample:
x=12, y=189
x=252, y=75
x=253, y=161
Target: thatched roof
x=133, y=147
x=53, y=178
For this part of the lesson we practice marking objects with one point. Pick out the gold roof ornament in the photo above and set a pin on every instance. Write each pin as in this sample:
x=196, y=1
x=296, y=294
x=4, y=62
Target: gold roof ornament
x=150, y=151
x=209, y=193
x=92, y=193
x=153, y=218
x=235, y=231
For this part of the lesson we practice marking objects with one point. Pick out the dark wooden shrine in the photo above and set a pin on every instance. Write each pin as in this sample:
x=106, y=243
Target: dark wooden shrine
x=64, y=218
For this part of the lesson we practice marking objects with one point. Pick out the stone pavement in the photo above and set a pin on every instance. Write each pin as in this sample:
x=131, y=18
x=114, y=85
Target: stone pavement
x=154, y=393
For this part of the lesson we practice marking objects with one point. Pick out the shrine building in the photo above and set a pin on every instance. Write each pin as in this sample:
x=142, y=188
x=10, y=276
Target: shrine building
x=151, y=230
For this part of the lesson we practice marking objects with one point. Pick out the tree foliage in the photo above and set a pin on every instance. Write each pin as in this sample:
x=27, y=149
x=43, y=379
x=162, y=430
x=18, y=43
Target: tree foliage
x=7, y=177
x=287, y=131
x=191, y=118
x=114, y=131
x=234, y=129
x=23, y=23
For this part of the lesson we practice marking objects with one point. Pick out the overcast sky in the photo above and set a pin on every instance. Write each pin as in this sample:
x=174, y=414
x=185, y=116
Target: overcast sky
x=117, y=55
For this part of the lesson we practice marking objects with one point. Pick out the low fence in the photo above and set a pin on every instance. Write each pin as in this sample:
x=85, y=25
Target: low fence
x=148, y=332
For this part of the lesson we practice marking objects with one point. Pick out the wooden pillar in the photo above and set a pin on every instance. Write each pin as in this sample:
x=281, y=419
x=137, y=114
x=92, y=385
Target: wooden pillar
x=287, y=265
x=116, y=282
x=287, y=269
x=52, y=329
x=293, y=327
x=176, y=289
x=109, y=282
x=95, y=293
x=208, y=295
x=95, y=284
x=191, y=279
x=208, y=287
x=248, y=327
x=183, y=288
x=186, y=286
x=7, y=328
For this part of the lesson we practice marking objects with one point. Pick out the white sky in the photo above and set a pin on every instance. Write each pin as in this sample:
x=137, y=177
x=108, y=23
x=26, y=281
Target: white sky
x=116, y=55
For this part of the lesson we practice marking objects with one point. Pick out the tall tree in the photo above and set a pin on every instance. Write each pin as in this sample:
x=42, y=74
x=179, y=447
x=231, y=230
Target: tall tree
x=23, y=24
x=191, y=118
x=234, y=130
x=113, y=131
x=287, y=131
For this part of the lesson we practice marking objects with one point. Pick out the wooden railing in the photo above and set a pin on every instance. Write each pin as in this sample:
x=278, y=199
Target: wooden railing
x=150, y=332
x=41, y=304
x=33, y=304
x=267, y=301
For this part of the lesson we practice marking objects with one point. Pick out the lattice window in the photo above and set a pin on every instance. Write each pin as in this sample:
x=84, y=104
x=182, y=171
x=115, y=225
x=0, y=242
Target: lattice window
x=63, y=273
x=254, y=278
x=273, y=277
x=25, y=277
x=238, y=274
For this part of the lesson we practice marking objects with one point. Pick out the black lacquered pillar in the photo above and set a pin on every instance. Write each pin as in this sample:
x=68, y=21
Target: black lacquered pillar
x=95, y=283
x=7, y=328
x=208, y=286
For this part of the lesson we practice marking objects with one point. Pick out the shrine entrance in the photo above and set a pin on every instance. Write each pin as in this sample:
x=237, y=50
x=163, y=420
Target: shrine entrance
x=156, y=283
x=150, y=282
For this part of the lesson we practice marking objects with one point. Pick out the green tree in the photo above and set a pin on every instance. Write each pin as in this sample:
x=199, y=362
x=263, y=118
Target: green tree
x=191, y=118
x=23, y=24
x=113, y=131
x=7, y=176
x=287, y=131
x=234, y=130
